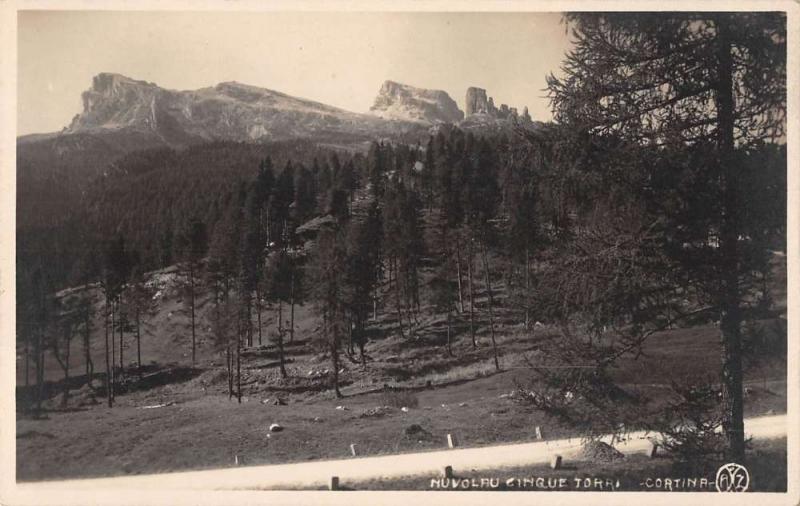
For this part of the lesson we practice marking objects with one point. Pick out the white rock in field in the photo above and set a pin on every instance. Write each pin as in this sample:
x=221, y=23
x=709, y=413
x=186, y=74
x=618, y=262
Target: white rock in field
x=275, y=427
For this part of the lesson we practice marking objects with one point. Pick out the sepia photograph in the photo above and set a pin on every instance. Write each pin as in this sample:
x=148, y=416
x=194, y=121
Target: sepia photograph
x=435, y=248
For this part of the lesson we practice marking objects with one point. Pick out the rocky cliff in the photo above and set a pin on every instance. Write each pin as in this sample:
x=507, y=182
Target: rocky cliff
x=479, y=103
x=403, y=102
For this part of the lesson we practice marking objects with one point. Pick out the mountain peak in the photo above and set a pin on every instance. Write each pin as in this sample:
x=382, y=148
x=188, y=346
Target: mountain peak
x=105, y=81
x=405, y=102
x=479, y=104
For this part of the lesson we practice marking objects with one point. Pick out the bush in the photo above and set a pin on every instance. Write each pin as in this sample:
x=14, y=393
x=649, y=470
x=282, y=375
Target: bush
x=584, y=398
x=691, y=426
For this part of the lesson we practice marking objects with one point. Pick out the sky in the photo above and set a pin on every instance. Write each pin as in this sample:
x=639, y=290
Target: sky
x=338, y=58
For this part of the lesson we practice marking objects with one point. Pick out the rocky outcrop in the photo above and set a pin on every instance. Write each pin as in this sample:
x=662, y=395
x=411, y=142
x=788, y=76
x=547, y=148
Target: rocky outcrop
x=116, y=101
x=479, y=103
x=404, y=102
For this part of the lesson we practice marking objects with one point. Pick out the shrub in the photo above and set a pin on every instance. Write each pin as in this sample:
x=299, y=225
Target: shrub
x=690, y=427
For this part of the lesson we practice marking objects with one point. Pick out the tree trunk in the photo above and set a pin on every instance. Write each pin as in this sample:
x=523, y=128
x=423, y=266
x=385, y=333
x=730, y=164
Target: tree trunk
x=397, y=303
x=491, y=304
x=258, y=313
x=415, y=285
x=27, y=360
x=730, y=318
x=471, y=297
x=87, y=348
x=458, y=270
x=108, y=361
x=269, y=229
x=66, y=371
x=527, y=287
x=291, y=310
x=229, y=365
x=39, y=382
x=113, y=352
x=138, y=341
x=280, y=338
x=449, y=342
x=335, y=361
x=239, y=366
x=191, y=302
x=64, y=366
x=361, y=344
x=350, y=349
x=248, y=323
x=121, y=324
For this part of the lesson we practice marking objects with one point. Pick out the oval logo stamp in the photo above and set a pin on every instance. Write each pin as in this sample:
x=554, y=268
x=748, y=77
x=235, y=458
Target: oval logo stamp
x=732, y=478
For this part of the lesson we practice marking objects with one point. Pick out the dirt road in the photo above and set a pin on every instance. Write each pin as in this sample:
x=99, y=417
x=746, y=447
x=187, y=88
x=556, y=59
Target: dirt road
x=312, y=474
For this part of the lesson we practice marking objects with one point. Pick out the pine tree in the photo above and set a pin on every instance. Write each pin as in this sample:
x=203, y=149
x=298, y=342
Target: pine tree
x=481, y=197
x=139, y=299
x=66, y=326
x=444, y=296
x=260, y=230
x=116, y=272
x=305, y=196
x=695, y=87
x=279, y=276
x=280, y=208
x=363, y=258
x=194, y=246
x=327, y=289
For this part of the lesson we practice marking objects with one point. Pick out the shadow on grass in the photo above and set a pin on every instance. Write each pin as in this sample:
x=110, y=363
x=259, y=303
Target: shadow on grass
x=80, y=388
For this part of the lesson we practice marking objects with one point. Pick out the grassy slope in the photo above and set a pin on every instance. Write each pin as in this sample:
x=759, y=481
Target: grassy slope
x=204, y=429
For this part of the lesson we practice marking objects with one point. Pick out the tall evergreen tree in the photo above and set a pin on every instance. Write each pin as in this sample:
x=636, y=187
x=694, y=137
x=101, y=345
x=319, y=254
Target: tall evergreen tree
x=194, y=246
x=116, y=272
x=699, y=87
x=327, y=281
x=305, y=196
x=361, y=274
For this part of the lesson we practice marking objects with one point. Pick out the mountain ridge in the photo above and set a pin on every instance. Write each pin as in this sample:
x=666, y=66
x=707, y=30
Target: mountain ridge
x=230, y=110
x=226, y=111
